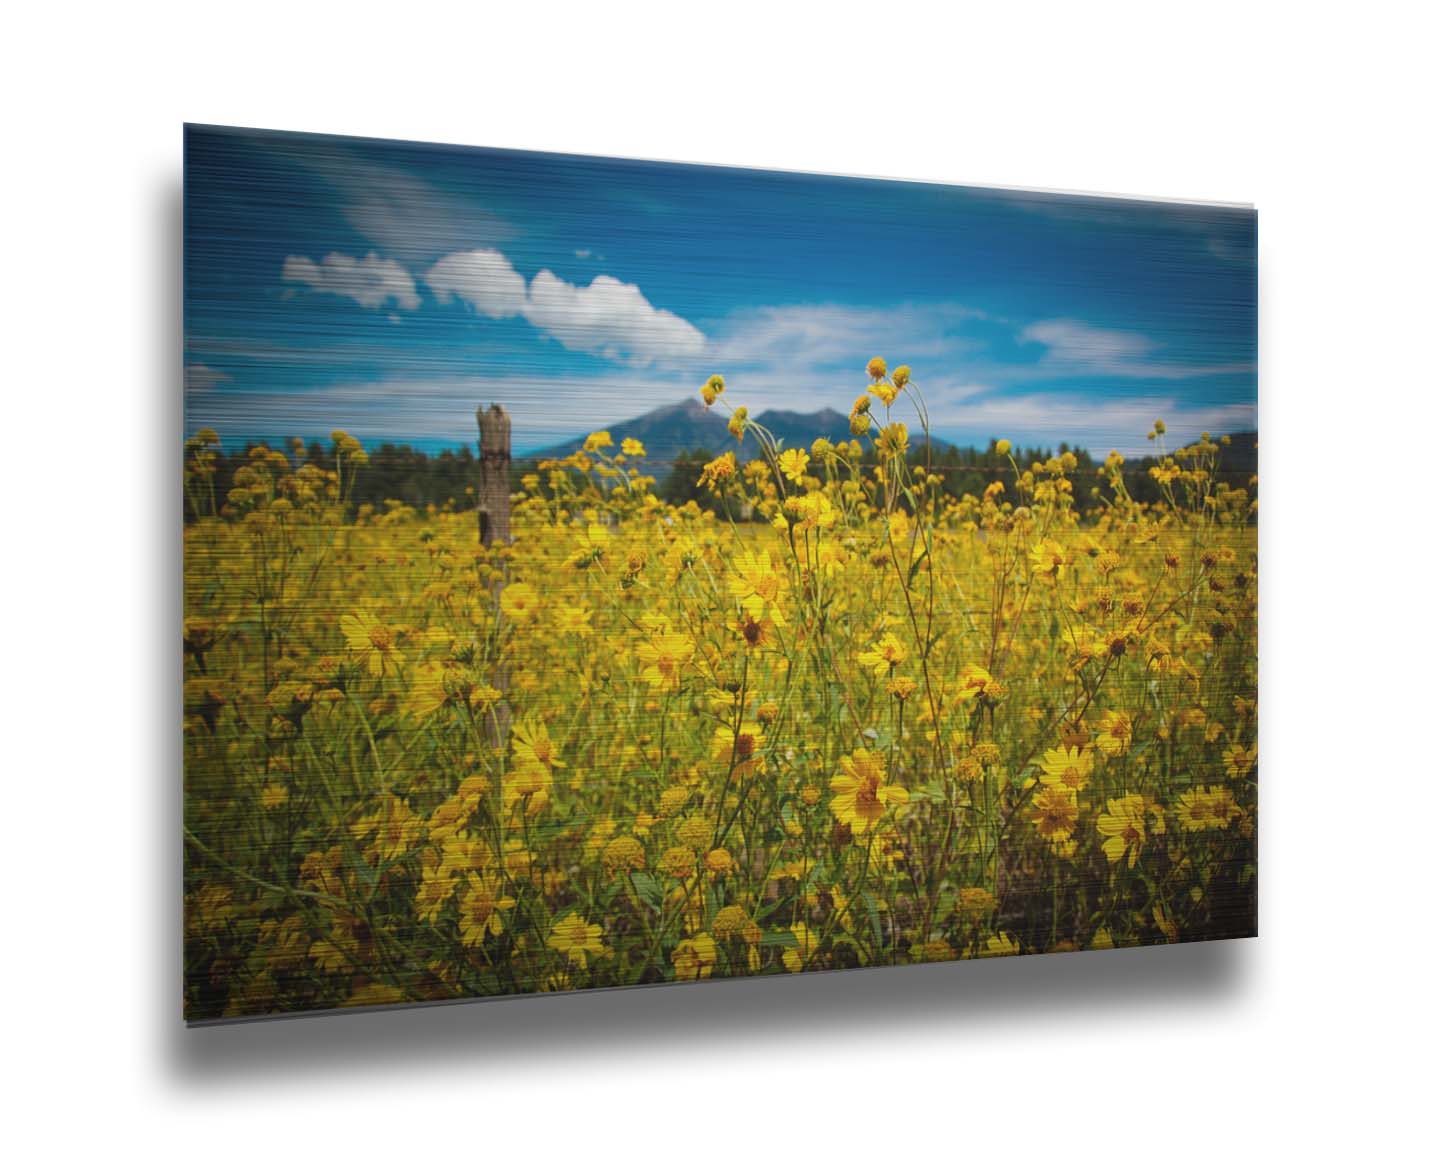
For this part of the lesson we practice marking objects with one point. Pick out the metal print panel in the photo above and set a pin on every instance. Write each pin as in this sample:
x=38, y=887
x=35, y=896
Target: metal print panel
x=604, y=573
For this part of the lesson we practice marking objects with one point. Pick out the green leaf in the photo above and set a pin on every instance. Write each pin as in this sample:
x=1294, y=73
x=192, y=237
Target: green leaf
x=648, y=890
x=869, y=901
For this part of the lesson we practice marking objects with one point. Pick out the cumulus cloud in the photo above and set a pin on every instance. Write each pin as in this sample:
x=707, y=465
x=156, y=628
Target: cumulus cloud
x=609, y=318
x=483, y=278
x=201, y=377
x=803, y=335
x=1074, y=348
x=1081, y=346
x=371, y=281
x=395, y=210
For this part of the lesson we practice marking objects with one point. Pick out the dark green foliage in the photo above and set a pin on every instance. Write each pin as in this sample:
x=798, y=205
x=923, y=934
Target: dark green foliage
x=448, y=478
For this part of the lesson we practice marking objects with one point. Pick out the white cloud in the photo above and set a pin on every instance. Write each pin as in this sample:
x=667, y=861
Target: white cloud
x=395, y=210
x=1074, y=348
x=805, y=335
x=610, y=318
x=812, y=356
x=201, y=377
x=607, y=318
x=371, y=281
x=1045, y=419
x=804, y=357
x=483, y=278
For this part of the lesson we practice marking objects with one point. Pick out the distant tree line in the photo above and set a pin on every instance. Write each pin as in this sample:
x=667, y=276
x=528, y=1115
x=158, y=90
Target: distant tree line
x=964, y=471
x=393, y=472
x=447, y=478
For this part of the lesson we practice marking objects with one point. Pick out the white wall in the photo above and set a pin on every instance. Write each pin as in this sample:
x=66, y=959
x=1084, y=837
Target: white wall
x=1324, y=117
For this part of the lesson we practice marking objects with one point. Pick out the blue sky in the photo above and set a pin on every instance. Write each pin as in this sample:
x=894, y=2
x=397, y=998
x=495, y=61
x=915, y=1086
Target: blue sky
x=390, y=288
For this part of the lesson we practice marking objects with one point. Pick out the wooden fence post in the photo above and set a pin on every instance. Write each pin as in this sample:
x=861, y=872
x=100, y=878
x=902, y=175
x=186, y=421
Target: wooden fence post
x=494, y=514
x=494, y=490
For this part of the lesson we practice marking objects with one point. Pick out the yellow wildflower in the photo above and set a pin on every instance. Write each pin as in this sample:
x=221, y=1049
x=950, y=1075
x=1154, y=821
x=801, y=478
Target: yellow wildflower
x=894, y=441
x=519, y=601
x=662, y=658
x=623, y=854
x=717, y=471
x=806, y=942
x=861, y=794
x=576, y=940
x=884, y=392
x=1239, y=760
x=372, y=995
x=1205, y=809
x=428, y=691
x=533, y=744
x=394, y=826
x=885, y=655
x=480, y=908
x=694, y=959
x=758, y=585
x=1056, y=813
x=372, y=640
x=1113, y=735
x=531, y=783
x=719, y=863
x=1123, y=828
x=678, y=863
x=792, y=463
x=1048, y=558
x=1066, y=767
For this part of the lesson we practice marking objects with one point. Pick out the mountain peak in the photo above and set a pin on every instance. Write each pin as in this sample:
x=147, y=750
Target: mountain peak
x=687, y=425
x=785, y=415
x=689, y=405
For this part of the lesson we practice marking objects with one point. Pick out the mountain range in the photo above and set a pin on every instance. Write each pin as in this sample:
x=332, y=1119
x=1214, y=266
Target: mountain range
x=688, y=425
x=674, y=428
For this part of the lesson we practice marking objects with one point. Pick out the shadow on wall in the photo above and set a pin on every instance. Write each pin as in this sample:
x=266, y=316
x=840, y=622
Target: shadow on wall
x=774, y=1010
x=737, y=1015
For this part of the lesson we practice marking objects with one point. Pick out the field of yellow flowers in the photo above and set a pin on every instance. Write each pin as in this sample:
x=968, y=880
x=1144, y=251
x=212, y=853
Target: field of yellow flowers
x=847, y=720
